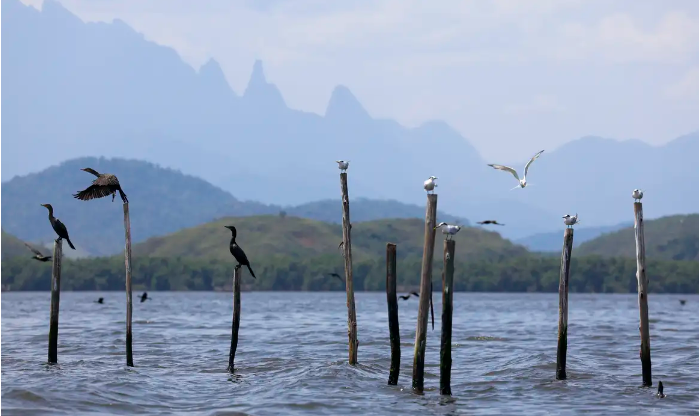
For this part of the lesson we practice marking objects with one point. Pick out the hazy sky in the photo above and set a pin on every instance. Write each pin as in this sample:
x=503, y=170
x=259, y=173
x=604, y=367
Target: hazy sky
x=512, y=76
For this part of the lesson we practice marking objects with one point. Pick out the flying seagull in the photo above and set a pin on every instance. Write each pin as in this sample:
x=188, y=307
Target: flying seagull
x=521, y=182
x=570, y=221
x=336, y=275
x=405, y=297
x=106, y=184
x=637, y=194
x=494, y=222
x=237, y=251
x=343, y=165
x=58, y=226
x=37, y=254
x=430, y=184
x=448, y=230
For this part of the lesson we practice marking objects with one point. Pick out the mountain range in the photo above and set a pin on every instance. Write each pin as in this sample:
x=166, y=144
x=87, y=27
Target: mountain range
x=76, y=89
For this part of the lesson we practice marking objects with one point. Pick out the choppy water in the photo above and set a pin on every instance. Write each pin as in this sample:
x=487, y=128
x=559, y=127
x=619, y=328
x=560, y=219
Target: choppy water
x=292, y=356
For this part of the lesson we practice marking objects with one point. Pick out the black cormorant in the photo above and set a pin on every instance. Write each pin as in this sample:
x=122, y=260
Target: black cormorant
x=58, y=226
x=37, y=254
x=682, y=301
x=405, y=297
x=660, y=392
x=100, y=300
x=106, y=184
x=494, y=222
x=144, y=297
x=237, y=251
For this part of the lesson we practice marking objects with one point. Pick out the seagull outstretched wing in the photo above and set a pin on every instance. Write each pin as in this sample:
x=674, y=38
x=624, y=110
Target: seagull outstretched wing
x=507, y=169
x=530, y=162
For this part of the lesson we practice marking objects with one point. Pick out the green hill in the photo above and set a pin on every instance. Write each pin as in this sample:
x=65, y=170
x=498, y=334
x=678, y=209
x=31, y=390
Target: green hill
x=267, y=236
x=666, y=238
x=13, y=247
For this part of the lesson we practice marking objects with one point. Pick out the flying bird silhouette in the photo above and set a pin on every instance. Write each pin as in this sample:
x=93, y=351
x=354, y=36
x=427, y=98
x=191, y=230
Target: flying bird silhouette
x=106, y=184
x=494, y=222
x=521, y=182
x=405, y=297
x=37, y=254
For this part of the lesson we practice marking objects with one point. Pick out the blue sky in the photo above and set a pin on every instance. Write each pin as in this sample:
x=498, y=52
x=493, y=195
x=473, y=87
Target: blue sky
x=511, y=76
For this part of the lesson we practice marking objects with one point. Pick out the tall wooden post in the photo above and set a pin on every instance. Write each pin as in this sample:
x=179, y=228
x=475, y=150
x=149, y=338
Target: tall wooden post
x=127, y=264
x=349, y=289
x=55, y=300
x=446, y=336
x=424, y=301
x=393, y=305
x=564, y=303
x=236, y=317
x=642, y=283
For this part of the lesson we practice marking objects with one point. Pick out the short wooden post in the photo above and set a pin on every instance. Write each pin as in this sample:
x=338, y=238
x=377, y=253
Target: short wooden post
x=424, y=301
x=55, y=300
x=642, y=283
x=349, y=290
x=446, y=336
x=393, y=305
x=236, y=317
x=127, y=264
x=564, y=303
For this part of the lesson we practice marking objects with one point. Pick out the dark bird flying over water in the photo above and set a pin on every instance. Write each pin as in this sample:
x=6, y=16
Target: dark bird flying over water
x=494, y=222
x=405, y=297
x=144, y=297
x=336, y=275
x=100, y=300
x=106, y=184
x=37, y=254
x=660, y=392
x=237, y=251
x=58, y=226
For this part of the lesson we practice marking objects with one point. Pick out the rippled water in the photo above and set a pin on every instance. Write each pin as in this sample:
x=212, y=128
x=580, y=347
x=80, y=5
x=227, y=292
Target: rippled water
x=292, y=356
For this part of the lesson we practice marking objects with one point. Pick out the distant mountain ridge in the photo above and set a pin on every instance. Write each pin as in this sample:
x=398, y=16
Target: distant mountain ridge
x=162, y=201
x=109, y=92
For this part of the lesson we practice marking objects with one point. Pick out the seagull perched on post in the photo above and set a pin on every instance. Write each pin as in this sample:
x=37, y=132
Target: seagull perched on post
x=430, y=184
x=570, y=221
x=343, y=165
x=637, y=194
x=521, y=182
x=448, y=230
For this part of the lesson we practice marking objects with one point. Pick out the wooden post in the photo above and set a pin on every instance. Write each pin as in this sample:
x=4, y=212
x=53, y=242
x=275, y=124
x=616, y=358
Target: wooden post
x=446, y=336
x=564, y=303
x=642, y=283
x=393, y=314
x=349, y=290
x=424, y=301
x=127, y=264
x=236, y=317
x=55, y=300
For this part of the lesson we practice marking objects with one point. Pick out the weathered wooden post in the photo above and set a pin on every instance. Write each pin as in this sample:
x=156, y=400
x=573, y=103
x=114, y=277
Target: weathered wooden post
x=424, y=301
x=349, y=290
x=127, y=264
x=564, y=303
x=236, y=317
x=55, y=300
x=642, y=283
x=446, y=336
x=393, y=314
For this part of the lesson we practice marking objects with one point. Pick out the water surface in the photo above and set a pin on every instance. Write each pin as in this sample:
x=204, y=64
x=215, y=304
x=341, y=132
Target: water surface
x=292, y=356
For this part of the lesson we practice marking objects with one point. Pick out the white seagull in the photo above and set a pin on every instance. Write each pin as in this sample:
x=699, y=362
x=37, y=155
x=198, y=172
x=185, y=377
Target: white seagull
x=448, y=230
x=430, y=184
x=343, y=165
x=521, y=182
x=570, y=221
x=637, y=194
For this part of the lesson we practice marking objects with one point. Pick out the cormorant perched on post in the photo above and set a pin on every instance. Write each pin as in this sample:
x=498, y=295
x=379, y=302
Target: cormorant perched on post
x=106, y=184
x=37, y=254
x=144, y=297
x=58, y=226
x=237, y=251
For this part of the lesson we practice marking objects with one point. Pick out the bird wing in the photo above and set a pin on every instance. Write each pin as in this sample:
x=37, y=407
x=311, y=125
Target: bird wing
x=507, y=169
x=530, y=162
x=35, y=251
x=93, y=191
x=106, y=179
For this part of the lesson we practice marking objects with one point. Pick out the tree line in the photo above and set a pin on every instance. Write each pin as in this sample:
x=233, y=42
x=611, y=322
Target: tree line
x=531, y=273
